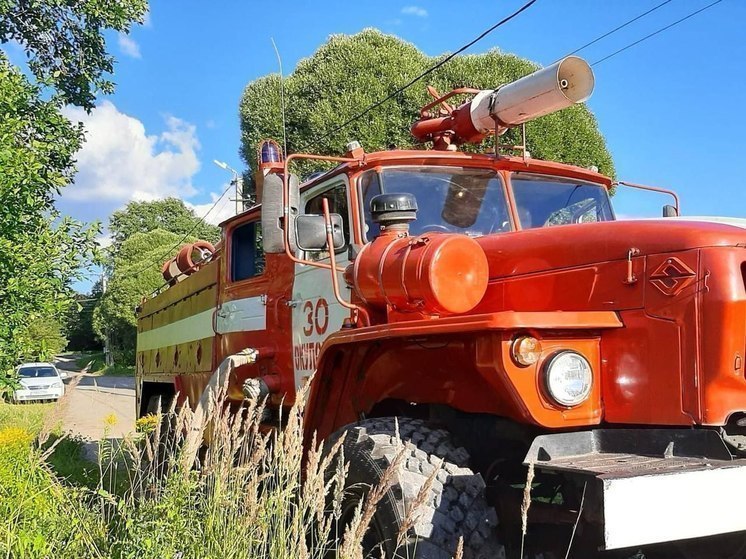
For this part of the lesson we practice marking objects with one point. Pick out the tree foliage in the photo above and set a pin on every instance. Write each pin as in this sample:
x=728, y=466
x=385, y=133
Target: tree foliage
x=143, y=235
x=170, y=215
x=130, y=282
x=79, y=321
x=349, y=73
x=64, y=41
x=39, y=252
x=45, y=339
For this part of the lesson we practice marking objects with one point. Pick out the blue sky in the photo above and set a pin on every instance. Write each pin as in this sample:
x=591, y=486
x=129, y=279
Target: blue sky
x=670, y=108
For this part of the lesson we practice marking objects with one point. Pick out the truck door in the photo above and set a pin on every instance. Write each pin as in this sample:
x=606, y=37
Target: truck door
x=316, y=312
x=241, y=315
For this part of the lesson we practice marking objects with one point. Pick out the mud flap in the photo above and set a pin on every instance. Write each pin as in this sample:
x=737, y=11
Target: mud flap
x=651, y=485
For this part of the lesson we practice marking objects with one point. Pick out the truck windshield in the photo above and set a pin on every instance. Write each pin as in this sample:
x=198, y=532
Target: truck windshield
x=544, y=201
x=449, y=199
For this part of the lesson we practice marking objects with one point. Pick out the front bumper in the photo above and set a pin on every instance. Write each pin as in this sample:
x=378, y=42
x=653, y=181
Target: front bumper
x=648, y=486
x=28, y=395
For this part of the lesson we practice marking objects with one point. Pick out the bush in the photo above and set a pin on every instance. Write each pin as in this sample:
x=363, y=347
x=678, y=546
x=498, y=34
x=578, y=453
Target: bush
x=351, y=72
x=9, y=383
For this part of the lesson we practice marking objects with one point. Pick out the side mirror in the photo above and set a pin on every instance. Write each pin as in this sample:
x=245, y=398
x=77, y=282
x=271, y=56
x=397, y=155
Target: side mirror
x=63, y=374
x=272, y=213
x=310, y=232
x=670, y=211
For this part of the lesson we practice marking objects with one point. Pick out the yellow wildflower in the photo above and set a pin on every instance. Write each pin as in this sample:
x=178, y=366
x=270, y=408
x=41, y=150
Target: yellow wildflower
x=15, y=436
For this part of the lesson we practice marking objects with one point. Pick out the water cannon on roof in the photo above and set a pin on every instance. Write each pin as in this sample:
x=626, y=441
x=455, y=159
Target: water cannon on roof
x=548, y=90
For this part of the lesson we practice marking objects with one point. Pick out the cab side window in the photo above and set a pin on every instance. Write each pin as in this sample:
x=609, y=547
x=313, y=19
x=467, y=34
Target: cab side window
x=337, y=196
x=247, y=257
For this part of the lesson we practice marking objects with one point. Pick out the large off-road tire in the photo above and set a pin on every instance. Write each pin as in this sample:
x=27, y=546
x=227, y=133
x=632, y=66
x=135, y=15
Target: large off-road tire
x=164, y=446
x=455, y=505
x=157, y=403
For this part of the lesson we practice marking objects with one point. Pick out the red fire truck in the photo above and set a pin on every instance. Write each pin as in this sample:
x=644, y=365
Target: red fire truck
x=490, y=315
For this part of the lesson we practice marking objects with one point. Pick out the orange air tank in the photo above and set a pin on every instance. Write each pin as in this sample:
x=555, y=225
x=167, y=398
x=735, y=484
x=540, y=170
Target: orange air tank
x=433, y=273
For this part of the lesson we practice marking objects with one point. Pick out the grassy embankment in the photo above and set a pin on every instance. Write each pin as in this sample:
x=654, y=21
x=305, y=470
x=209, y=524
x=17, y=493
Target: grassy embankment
x=147, y=500
x=95, y=363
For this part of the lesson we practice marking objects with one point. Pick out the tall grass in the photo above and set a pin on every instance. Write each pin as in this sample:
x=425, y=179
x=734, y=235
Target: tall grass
x=250, y=493
x=40, y=516
x=29, y=417
x=243, y=496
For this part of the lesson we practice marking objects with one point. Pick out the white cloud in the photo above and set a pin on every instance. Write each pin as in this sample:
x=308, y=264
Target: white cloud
x=104, y=240
x=120, y=162
x=224, y=209
x=414, y=11
x=128, y=46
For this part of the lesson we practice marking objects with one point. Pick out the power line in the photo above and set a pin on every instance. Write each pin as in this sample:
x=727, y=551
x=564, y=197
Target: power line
x=201, y=221
x=622, y=26
x=653, y=34
x=427, y=72
x=502, y=22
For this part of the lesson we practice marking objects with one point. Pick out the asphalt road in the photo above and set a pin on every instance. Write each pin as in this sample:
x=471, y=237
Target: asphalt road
x=98, y=406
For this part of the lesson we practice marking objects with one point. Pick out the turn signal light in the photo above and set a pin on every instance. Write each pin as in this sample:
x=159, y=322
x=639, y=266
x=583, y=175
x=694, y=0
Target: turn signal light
x=526, y=350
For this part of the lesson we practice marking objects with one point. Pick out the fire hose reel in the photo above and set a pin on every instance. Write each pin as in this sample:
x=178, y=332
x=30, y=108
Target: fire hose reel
x=190, y=258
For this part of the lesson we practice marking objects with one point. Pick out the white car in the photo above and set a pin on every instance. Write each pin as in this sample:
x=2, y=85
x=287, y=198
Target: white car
x=39, y=381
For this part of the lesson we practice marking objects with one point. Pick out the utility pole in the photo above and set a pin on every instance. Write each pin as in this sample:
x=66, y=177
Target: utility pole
x=108, y=358
x=236, y=181
x=239, y=193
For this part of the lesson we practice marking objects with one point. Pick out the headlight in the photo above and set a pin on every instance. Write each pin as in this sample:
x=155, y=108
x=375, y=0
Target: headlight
x=57, y=384
x=569, y=378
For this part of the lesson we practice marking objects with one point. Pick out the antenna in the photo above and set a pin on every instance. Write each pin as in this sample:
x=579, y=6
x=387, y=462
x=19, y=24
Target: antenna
x=282, y=100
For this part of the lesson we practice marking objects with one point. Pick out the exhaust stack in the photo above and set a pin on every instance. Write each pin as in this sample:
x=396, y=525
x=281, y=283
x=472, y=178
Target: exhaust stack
x=550, y=89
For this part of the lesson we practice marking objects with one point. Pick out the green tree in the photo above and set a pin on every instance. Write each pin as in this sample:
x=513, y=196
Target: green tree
x=132, y=280
x=79, y=321
x=45, y=339
x=170, y=215
x=349, y=73
x=65, y=44
x=142, y=233
x=39, y=252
